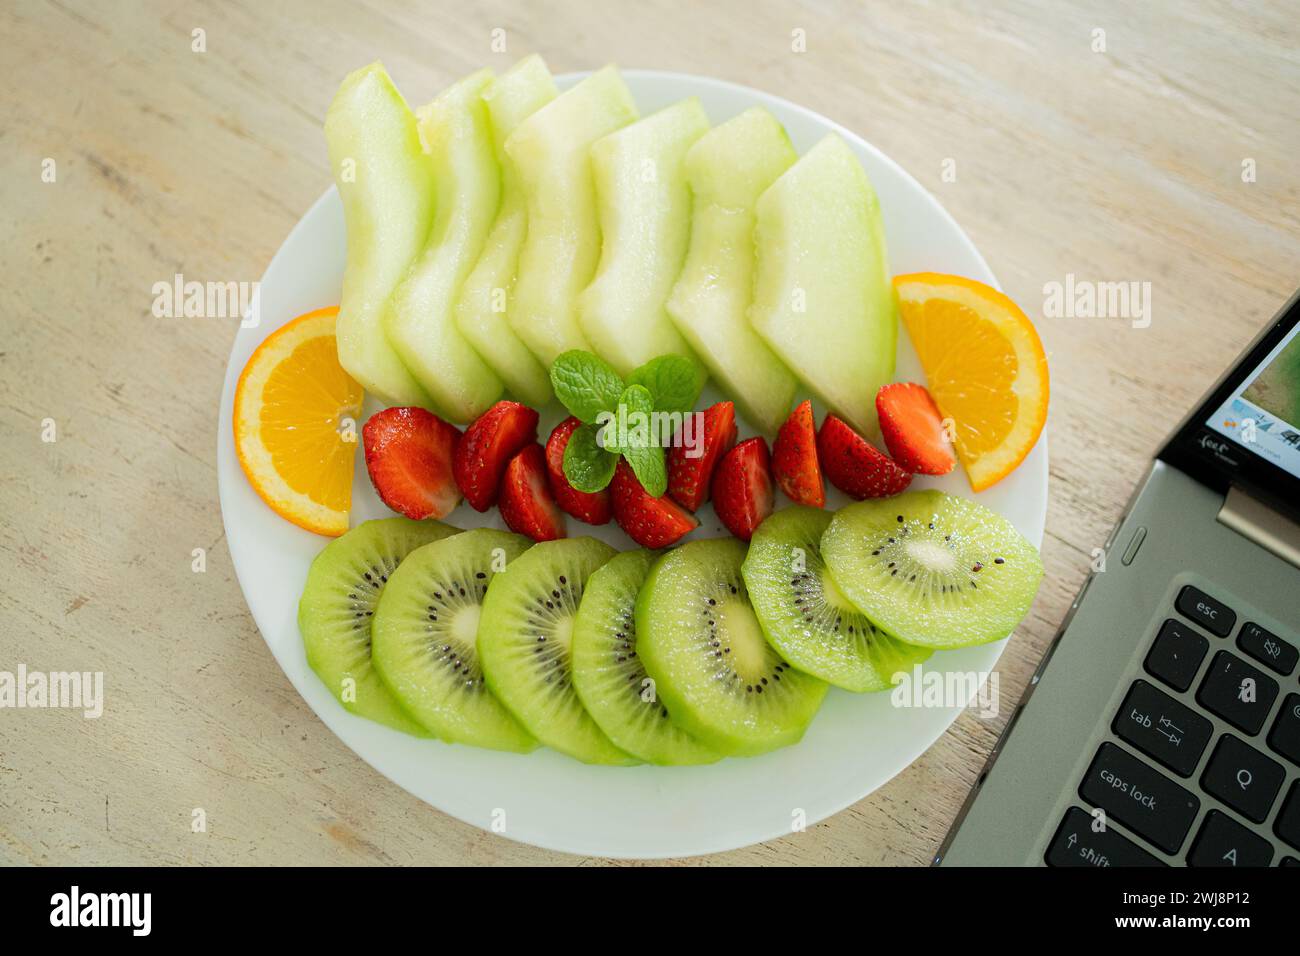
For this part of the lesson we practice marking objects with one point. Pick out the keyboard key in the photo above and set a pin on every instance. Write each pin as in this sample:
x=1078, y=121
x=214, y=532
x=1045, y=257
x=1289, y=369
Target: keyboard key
x=1237, y=692
x=1140, y=797
x=1225, y=842
x=1285, y=735
x=1176, y=654
x=1267, y=648
x=1243, y=778
x=1287, y=824
x=1198, y=607
x=1076, y=844
x=1168, y=732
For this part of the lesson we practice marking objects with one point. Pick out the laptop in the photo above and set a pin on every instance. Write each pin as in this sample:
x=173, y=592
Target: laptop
x=1162, y=727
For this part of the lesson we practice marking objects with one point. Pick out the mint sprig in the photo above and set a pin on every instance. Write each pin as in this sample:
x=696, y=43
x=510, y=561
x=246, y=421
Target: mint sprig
x=619, y=417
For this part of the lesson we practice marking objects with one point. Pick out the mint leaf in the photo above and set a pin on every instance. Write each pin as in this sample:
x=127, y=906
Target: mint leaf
x=632, y=424
x=588, y=467
x=647, y=463
x=674, y=382
x=585, y=384
x=634, y=435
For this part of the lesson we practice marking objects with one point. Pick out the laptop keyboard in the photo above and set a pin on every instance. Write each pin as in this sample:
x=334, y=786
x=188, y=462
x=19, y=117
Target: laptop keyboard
x=1149, y=781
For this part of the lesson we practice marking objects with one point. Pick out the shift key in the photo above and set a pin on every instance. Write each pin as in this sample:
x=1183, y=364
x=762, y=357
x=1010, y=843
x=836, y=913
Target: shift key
x=1165, y=730
x=1140, y=797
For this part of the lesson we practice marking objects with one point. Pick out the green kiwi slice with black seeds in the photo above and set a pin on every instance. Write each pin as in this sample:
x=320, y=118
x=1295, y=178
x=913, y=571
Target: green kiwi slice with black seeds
x=425, y=636
x=804, y=614
x=933, y=569
x=703, y=647
x=608, y=675
x=337, y=606
x=524, y=639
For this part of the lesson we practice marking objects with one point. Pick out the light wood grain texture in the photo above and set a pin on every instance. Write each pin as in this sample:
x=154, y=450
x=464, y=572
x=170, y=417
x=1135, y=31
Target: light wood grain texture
x=1116, y=165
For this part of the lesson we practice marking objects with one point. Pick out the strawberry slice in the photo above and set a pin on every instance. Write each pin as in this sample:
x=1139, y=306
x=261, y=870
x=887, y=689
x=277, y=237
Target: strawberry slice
x=912, y=427
x=794, y=458
x=487, y=445
x=591, y=507
x=689, y=477
x=526, y=501
x=409, y=456
x=854, y=466
x=742, y=487
x=650, y=522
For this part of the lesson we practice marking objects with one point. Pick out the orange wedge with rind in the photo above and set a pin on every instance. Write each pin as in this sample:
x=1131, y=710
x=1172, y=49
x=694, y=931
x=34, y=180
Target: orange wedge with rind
x=296, y=424
x=984, y=366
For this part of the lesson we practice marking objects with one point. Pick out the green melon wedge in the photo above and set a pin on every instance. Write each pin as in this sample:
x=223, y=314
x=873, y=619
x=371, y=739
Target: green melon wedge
x=455, y=133
x=822, y=296
x=386, y=183
x=645, y=224
x=484, y=304
x=728, y=168
x=551, y=151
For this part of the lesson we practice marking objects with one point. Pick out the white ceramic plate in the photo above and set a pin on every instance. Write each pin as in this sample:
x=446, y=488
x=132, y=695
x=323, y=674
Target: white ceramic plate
x=856, y=742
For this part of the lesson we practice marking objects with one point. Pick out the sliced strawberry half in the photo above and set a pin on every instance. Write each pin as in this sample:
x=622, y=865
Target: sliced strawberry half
x=526, y=502
x=409, y=457
x=650, y=522
x=591, y=507
x=912, y=426
x=487, y=445
x=794, y=458
x=690, y=470
x=854, y=466
x=742, y=487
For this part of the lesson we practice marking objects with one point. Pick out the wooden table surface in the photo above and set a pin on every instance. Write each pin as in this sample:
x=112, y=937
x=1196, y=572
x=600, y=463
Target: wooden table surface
x=1120, y=155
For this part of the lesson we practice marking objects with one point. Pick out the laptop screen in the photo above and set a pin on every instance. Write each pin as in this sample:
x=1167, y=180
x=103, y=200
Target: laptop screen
x=1246, y=431
x=1263, y=413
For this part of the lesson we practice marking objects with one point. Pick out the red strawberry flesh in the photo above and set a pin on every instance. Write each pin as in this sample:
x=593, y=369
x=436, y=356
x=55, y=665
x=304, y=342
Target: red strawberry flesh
x=526, y=502
x=913, y=430
x=650, y=522
x=486, y=447
x=794, y=459
x=742, y=488
x=690, y=470
x=409, y=458
x=854, y=466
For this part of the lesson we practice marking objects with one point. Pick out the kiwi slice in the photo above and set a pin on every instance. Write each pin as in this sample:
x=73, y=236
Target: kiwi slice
x=609, y=677
x=425, y=631
x=700, y=642
x=933, y=569
x=804, y=614
x=524, y=636
x=338, y=604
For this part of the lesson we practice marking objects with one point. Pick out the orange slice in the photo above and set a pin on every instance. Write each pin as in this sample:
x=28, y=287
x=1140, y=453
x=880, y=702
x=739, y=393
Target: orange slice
x=296, y=429
x=984, y=365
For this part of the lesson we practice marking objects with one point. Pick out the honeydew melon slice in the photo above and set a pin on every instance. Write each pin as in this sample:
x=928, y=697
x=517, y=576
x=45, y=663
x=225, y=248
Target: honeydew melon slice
x=455, y=133
x=551, y=151
x=645, y=223
x=385, y=181
x=728, y=168
x=484, y=303
x=822, y=296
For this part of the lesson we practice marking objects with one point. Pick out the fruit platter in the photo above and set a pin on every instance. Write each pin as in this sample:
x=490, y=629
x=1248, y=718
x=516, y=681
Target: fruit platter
x=610, y=448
